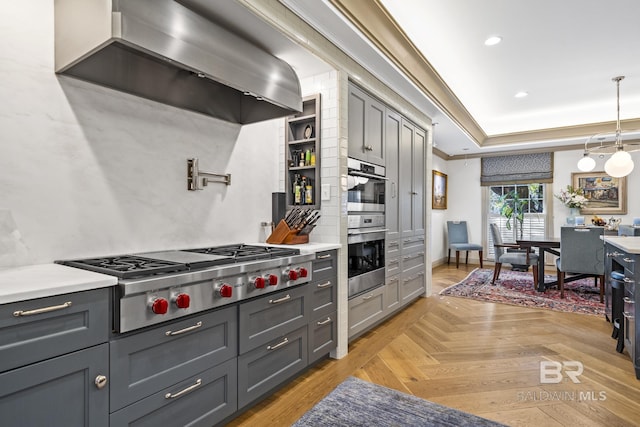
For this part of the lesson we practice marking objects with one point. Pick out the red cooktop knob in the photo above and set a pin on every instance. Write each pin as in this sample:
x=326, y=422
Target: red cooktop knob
x=293, y=275
x=303, y=272
x=160, y=306
x=259, y=282
x=226, y=291
x=273, y=280
x=183, y=300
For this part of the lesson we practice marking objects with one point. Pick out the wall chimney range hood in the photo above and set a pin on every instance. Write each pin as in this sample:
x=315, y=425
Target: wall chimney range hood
x=166, y=52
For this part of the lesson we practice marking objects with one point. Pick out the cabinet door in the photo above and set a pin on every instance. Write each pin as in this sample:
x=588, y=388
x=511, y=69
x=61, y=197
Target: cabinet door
x=418, y=182
x=356, y=135
x=392, y=295
x=374, y=132
x=57, y=392
x=406, y=179
x=366, y=127
x=392, y=131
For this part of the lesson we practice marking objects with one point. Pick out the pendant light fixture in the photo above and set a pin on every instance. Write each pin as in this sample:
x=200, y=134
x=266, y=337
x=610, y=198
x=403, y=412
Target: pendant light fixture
x=620, y=163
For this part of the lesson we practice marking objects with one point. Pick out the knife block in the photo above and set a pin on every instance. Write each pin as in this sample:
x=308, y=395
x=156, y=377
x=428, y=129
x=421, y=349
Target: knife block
x=283, y=235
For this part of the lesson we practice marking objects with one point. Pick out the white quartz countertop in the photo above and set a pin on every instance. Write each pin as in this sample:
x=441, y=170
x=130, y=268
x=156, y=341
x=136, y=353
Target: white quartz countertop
x=44, y=280
x=629, y=244
x=307, y=248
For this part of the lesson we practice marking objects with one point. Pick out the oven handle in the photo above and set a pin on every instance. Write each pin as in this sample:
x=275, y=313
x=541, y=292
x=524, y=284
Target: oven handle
x=377, y=230
x=368, y=175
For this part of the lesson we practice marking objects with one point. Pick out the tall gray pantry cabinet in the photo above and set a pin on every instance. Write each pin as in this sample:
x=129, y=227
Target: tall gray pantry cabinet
x=403, y=155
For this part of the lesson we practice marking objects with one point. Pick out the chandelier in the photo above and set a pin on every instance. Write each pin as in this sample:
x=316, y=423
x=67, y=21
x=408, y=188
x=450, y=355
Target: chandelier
x=617, y=145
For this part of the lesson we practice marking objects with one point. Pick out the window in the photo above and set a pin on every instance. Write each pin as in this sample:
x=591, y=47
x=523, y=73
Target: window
x=532, y=199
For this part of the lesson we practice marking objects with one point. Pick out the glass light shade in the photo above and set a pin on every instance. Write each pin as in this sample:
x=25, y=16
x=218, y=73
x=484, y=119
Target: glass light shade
x=586, y=164
x=619, y=164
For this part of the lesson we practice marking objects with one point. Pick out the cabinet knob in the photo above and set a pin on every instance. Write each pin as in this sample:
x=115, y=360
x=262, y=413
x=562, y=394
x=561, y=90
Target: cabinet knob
x=368, y=147
x=100, y=381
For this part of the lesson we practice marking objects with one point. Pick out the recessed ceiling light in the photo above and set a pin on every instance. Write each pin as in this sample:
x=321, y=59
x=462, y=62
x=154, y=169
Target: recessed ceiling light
x=493, y=40
x=521, y=94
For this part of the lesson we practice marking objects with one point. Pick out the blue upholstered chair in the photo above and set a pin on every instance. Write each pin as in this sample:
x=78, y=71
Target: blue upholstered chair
x=459, y=241
x=582, y=255
x=503, y=256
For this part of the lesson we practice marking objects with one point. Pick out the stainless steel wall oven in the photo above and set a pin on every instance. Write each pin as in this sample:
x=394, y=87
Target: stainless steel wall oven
x=366, y=226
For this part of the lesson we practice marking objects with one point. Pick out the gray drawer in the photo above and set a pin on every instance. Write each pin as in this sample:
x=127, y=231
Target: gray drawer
x=411, y=287
x=324, y=265
x=269, y=365
x=264, y=319
x=208, y=398
x=76, y=321
x=323, y=295
x=323, y=336
x=365, y=310
x=147, y=362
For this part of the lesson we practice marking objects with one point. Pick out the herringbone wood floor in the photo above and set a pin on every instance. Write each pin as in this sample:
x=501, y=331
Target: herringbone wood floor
x=478, y=357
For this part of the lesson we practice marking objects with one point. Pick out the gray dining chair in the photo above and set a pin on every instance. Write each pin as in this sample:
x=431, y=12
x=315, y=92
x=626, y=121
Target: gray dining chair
x=581, y=255
x=459, y=241
x=517, y=255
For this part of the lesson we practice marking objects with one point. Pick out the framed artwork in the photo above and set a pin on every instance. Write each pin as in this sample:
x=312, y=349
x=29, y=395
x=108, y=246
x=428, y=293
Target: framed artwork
x=606, y=195
x=438, y=190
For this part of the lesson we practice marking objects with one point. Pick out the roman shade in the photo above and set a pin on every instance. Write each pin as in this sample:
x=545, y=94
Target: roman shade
x=517, y=169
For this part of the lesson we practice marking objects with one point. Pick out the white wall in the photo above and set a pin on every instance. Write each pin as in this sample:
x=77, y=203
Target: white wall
x=438, y=231
x=89, y=171
x=465, y=202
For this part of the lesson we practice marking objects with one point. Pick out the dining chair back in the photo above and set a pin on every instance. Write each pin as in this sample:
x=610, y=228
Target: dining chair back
x=581, y=254
x=458, y=236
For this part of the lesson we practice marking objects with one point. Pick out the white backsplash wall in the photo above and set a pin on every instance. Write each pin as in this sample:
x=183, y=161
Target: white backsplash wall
x=87, y=171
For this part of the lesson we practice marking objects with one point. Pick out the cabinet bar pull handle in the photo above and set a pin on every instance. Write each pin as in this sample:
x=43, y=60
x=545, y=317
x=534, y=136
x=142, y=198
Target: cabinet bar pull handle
x=182, y=331
x=283, y=299
x=627, y=280
x=324, y=322
x=324, y=285
x=280, y=344
x=628, y=260
x=368, y=148
x=368, y=297
x=186, y=390
x=628, y=300
x=324, y=256
x=42, y=310
x=628, y=315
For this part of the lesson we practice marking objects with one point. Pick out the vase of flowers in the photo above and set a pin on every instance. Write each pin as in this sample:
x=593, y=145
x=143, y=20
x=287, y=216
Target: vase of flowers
x=574, y=199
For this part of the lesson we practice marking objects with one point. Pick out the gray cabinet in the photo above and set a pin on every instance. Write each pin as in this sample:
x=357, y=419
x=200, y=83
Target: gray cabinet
x=48, y=327
x=168, y=355
x=269, y=318
x=393, y=126
x=366, y=127
x=323, y=294
x=411, y=180
x=55, y=361
x=623, y=262
x=202, y=400
x=60, y=391
x=365, y=311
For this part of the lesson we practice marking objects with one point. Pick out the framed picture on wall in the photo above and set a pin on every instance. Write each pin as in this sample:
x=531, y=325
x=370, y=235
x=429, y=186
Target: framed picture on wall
x=606, y=195
x=439, y=190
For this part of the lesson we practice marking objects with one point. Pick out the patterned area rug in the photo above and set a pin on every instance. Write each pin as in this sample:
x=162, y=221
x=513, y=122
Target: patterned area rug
x=359, y=403
x=516, y=288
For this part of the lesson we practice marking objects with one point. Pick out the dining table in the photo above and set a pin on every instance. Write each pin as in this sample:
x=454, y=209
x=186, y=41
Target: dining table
x=544, y=245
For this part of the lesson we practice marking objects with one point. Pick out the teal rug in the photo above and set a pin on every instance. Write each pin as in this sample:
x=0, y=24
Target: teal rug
x=356, y=403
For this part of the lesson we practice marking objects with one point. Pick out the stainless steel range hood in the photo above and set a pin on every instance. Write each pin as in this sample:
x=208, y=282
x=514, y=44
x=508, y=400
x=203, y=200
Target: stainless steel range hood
x=164, y=51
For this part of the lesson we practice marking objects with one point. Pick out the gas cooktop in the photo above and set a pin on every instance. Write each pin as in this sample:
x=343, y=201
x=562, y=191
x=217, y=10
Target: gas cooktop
x=154, y=263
